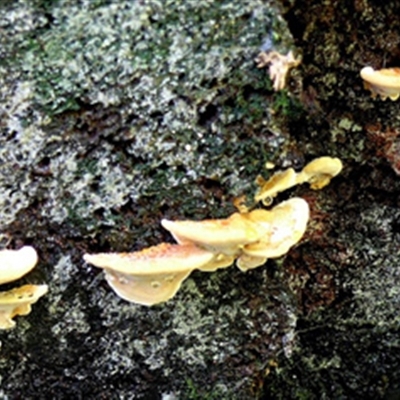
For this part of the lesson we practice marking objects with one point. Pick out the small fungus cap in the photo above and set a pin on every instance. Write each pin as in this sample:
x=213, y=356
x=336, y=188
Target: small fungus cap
x=246, y=262
x=219, y=261
x=215, y=235
x=16, y=263
x=18, y=302
x=320, y=171
x=287, y=228
x=384, y=82
x=278, y=182
x=387, y=77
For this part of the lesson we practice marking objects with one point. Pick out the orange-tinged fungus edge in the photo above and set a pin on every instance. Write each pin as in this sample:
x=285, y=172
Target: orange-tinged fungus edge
x=164, y=258
x=152, y=275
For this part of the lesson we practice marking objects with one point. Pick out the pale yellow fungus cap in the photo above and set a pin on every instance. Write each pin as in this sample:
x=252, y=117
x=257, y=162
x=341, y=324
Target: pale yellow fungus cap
x=16, y=263
x=287, y=228
x=219, y=261
x=216, y=235
x=146, y=290
x=246, y=262
x=319, y=172
x=18, y=302
x=152, y=275
x=262, y=221
x=384, y=82
x=278, y=182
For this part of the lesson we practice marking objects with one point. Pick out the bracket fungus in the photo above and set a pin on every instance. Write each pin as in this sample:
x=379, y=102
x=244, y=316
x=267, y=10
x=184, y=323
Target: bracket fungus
x=278, y=182
x=16, y=263
x=152, y=275
x=216, y=235
x=383, y=82
x=254, y=237
x=318, y=173
x=286, y=225
x=13, y=265
x=18, y=302
x=155, y=274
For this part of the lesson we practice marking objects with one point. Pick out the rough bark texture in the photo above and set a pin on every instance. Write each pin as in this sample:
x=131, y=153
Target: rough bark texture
x=115, y=114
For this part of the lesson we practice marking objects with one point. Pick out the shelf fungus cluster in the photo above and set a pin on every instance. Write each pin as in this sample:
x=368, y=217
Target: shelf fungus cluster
x=13, y=265
x=249, y=237
x=383, y=82
x=155, y=274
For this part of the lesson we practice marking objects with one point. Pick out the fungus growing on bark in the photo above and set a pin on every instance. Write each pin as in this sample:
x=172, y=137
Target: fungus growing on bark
x=16, y=263
x=224, y=236
x=273, y=232
x=278, y=182
x=155, y=274
x=279, y=66
x=284, y=226
x=18, y=302
x=383, y=82
x=152, y=275
x=319, y=172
